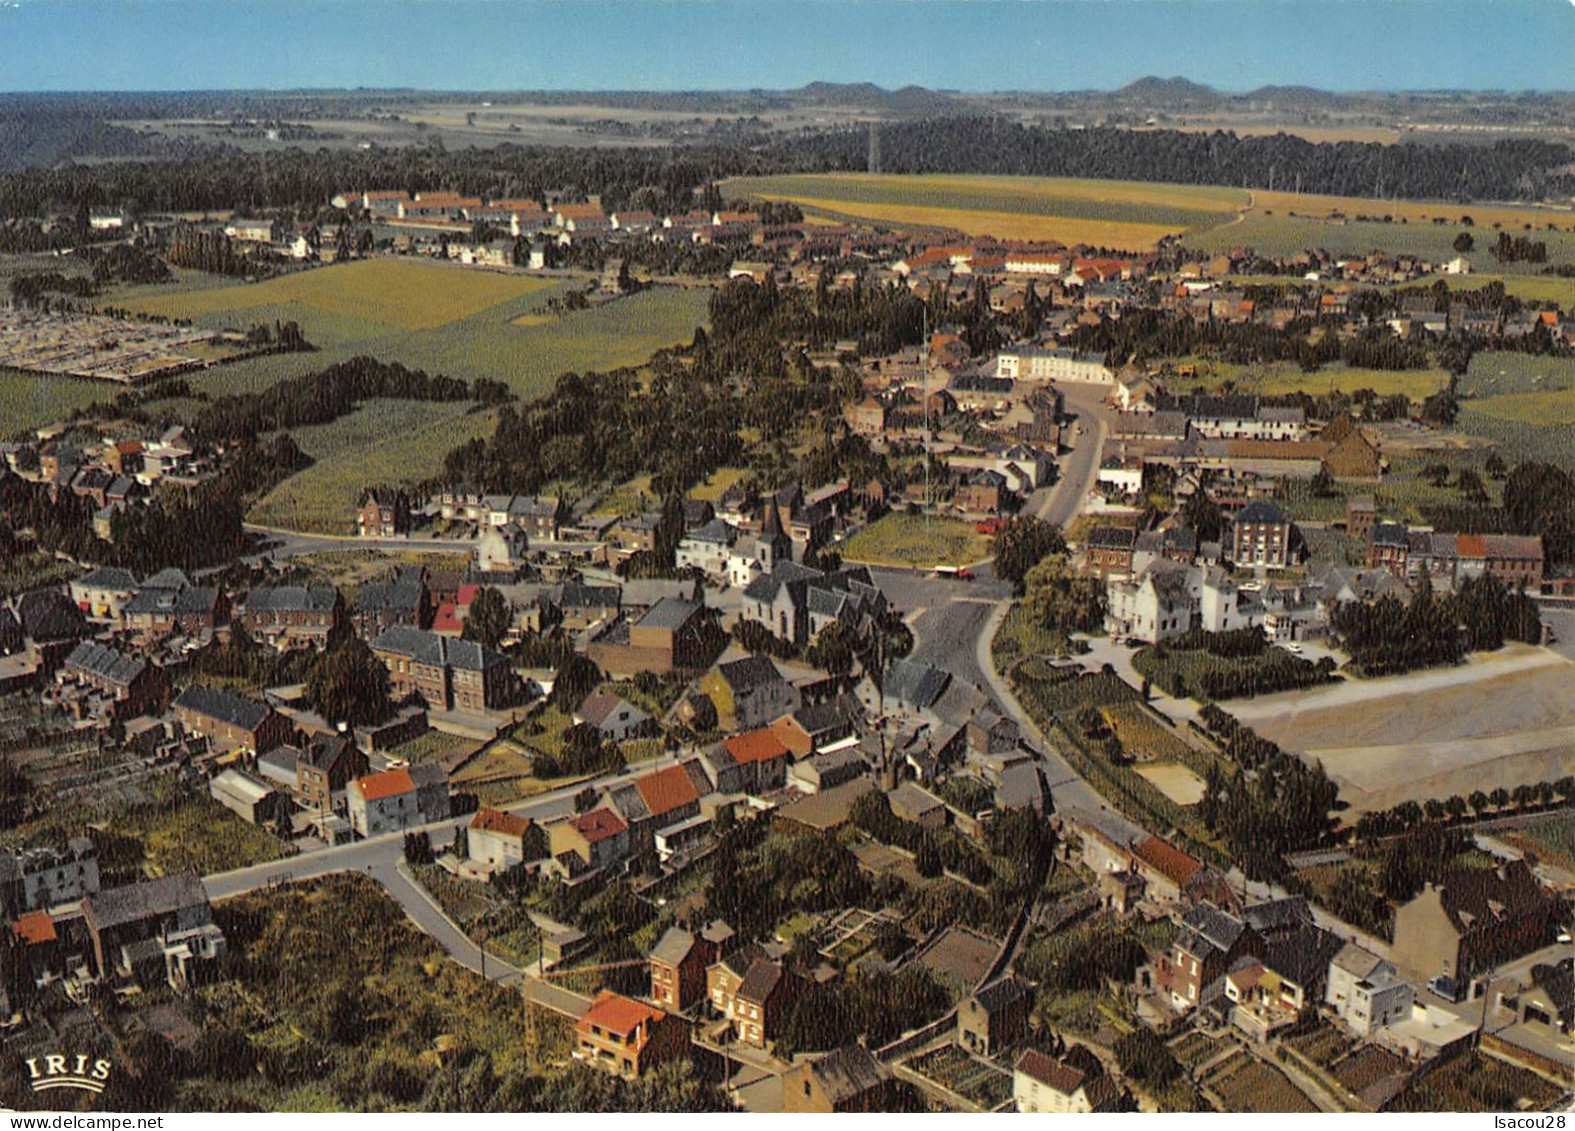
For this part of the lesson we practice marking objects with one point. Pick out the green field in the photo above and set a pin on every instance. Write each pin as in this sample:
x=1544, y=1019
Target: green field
x=322, y=499
x=409, y=294
x=1106, y=213
x=1280, y=236
x=453, y=320
x=1281, y=377
x=29, y=401
x=911, y=540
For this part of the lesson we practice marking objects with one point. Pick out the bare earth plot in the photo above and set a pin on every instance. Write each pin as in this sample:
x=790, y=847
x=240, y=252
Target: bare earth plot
x=1175, y=781
x=1501, y=720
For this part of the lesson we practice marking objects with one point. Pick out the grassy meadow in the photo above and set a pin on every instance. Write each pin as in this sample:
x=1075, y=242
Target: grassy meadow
x=444, y=318
x=388, y=442
x=28, y=400
x=908, y=540
x=1122, y=214
x=407, y=294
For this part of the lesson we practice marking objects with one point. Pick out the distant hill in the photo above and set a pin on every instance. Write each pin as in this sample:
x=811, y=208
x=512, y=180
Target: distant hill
x=1158, y=92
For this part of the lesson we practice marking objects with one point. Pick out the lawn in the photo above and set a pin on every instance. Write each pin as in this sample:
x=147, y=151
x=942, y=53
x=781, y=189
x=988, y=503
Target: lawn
x=1019, y=637
x=1175, y=781
x=1282, y=377
x=1143, y=735
x=1104, y=213
x=409, y=294
x=1200, y=674
x=1494, y=374
x=419, y=435
x=915, y=541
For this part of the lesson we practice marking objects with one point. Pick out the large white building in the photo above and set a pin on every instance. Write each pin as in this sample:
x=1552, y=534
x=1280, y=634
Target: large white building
x=1036, y=364
x=39, y=878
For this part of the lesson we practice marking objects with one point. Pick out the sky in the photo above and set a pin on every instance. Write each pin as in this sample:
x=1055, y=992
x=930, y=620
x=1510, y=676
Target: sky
x=970, y=45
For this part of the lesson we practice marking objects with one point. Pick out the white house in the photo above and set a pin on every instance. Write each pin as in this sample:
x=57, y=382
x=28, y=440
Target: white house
x=498, y=841
x=1366, y=991
x=398, y=799
x=1058, y=364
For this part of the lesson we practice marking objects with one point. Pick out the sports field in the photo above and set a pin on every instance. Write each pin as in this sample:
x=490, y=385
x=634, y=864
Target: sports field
x=407, y=294
x=1119, y=214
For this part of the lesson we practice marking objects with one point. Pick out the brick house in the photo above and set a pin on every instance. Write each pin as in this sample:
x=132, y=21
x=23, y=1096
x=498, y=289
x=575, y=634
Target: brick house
x=324, y=766
x=1261, y=534
x=447, y=674
x=401, y=601
x=230, y=720
x=762, y=1000
x=678, y=969
x=292, y=616
x=1108, y=550
x=133, y=687
x=383, y=513
x=628, y=1038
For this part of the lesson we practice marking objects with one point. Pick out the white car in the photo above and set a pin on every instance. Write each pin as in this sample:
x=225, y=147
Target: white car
x=1293, y=648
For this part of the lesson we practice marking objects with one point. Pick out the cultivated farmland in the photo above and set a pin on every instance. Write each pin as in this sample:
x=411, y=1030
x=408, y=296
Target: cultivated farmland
x=1120, y=214
x=407, y=294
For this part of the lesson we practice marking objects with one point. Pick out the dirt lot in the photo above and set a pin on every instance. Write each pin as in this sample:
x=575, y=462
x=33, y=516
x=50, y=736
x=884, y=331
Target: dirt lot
x=1175, y=781
x=1502, y=721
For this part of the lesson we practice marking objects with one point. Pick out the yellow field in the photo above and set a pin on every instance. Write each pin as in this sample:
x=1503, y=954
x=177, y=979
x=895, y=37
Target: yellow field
x=1123, y=214
x=1002, y=225
x=405, y=294
x=1175, y=781
x=1484, y=215
x=1542, y=409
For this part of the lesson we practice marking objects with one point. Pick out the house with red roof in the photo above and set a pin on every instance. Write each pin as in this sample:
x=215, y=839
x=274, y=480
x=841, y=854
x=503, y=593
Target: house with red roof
x=497, y=841
x=627, y=1037
x=399, y=799
x=763, y=758
x=587, y=843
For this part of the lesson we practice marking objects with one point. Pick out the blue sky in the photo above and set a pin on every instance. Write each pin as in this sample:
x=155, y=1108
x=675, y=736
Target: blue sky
x=774, y=44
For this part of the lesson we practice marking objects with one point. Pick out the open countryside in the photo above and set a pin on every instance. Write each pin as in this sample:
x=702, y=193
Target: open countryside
x=1119, y=214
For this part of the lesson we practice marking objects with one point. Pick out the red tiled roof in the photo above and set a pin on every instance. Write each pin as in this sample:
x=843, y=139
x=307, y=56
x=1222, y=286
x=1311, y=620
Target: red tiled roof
x=466, y=594
x=581, y=211
x=446, y=619
x=497, y=821
x=389, y=783
x=756, y=746
x=1471, y=545
x=34, y=928
x=615, y=1013
x=1166, y=859
x=667, y=790
x=597, y=825
x=1047, y=1070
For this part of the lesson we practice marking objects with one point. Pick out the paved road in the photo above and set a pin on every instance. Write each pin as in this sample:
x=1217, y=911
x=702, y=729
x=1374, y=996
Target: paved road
x=285, y=543
x=380, y=855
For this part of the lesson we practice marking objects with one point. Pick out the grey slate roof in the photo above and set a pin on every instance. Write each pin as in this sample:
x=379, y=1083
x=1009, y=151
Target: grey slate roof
x=1262, y=511
x=915, y=684
x=170, y=578
x=216, y=703
x=136, y=902
x=848, y=1073
x=673, y=947
x=752, y=672
x=106, y=663
x=437, y=651
x=669, y=612
x=108, y=577
x=292, y=598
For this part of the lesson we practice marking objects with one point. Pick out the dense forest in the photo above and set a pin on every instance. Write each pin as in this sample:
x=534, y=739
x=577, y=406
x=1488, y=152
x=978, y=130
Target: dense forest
x=663, y=179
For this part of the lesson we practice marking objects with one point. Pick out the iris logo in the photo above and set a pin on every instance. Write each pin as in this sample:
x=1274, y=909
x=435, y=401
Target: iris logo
x=56, y=1071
